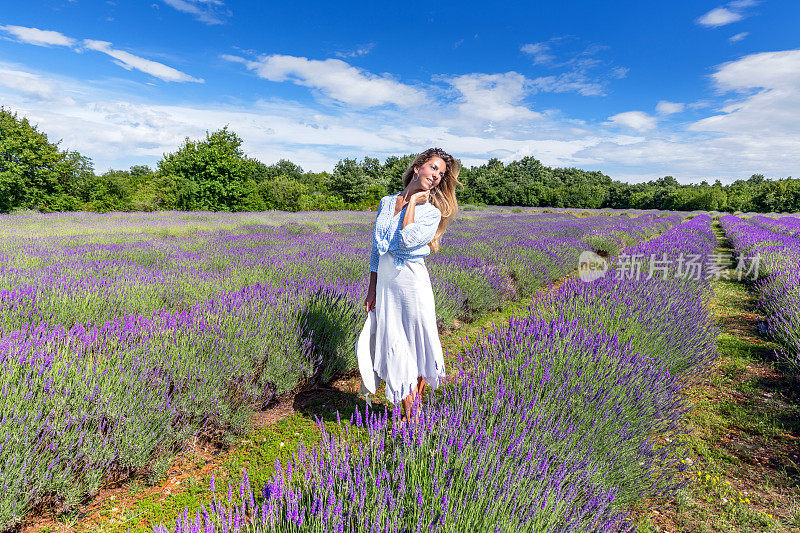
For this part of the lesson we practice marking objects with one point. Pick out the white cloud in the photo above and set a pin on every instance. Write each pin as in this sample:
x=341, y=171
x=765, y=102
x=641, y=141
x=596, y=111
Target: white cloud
x=539, y=51
x=770, y=70
x=619, y=72
x=494, y=97
x=756, y=130
x=636, y=120
x=124, y=59
x=723, y=15
x=586, y=74
x=32, y=85
x=742, y=4
x=719, y=16
x=129, y=61
x=738, y=37
x=207, y=11
x=335, y=79
x=772, y=113
x=358, y=51
x=668, y=108
x=38, y=37
x=569, y=82
x=116, y=132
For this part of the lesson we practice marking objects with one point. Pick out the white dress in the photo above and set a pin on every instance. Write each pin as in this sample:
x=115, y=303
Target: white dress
x=400, y=340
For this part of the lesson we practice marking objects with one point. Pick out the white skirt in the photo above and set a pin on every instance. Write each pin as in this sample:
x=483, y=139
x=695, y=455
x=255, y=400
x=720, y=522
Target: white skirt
x=402, y=337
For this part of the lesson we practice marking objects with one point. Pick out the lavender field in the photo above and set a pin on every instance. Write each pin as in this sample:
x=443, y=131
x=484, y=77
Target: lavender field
x=125, y=335
x=548, y=426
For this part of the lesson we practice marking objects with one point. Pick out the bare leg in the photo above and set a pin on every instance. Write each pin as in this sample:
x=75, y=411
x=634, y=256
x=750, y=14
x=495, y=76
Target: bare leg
x=408, y=401
x=420, y=386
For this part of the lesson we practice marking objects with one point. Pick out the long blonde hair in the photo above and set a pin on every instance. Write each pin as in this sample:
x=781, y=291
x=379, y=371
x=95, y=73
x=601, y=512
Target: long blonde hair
x=443, y=196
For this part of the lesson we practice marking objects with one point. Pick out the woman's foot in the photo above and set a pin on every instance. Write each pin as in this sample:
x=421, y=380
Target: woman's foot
x=402, y=422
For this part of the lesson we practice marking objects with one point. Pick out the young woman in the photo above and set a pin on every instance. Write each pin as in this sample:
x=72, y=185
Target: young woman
x=407, y=351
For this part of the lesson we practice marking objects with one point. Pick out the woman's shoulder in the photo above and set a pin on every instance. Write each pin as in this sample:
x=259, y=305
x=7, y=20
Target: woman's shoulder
x=387, y=198
x=381, y=203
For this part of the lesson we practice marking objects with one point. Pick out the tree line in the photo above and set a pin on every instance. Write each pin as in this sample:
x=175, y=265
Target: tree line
x=214, y=174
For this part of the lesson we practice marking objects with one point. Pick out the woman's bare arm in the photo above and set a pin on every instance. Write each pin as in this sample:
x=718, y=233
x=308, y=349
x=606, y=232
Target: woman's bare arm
x=409, y=216
x=420, y=197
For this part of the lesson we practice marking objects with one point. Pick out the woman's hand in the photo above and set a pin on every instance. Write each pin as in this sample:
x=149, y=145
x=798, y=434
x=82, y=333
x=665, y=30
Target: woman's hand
x=369, y=301
x=419, y=197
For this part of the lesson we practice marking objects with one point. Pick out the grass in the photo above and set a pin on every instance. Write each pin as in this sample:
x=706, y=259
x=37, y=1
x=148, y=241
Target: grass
x=743, y=466
x=136, y=507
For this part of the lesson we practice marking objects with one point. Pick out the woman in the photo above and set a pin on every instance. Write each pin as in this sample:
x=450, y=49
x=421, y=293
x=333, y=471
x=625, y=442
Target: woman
x=407, y=350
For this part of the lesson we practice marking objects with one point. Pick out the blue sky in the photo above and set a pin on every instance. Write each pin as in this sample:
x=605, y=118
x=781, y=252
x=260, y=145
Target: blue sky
x=638, y=90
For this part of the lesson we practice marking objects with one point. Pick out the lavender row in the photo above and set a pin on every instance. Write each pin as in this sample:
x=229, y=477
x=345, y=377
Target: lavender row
x=786, y=225
x=612, y=240
x=530, y=263
x=550, y=426
x=642, y=311
x=75, y=280
x=778, y=287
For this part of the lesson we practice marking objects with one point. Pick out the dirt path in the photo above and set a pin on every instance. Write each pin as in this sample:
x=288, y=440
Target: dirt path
x=745, y=442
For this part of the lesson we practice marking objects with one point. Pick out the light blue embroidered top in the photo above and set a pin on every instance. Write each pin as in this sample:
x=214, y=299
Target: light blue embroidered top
x=406, y=244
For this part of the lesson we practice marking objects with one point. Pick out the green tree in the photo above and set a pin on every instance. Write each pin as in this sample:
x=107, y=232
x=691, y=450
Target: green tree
x=283, y=167
x=111, y=191
x=782, y=196
x=393, y=169
x=283, y=193
x=34, y=173
x=210, y=175
x=164, y=191
x=582, y=189
x=642, y=197
x=350, y=181
x=619, y=196
x=139, y=175
x=487, y=183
